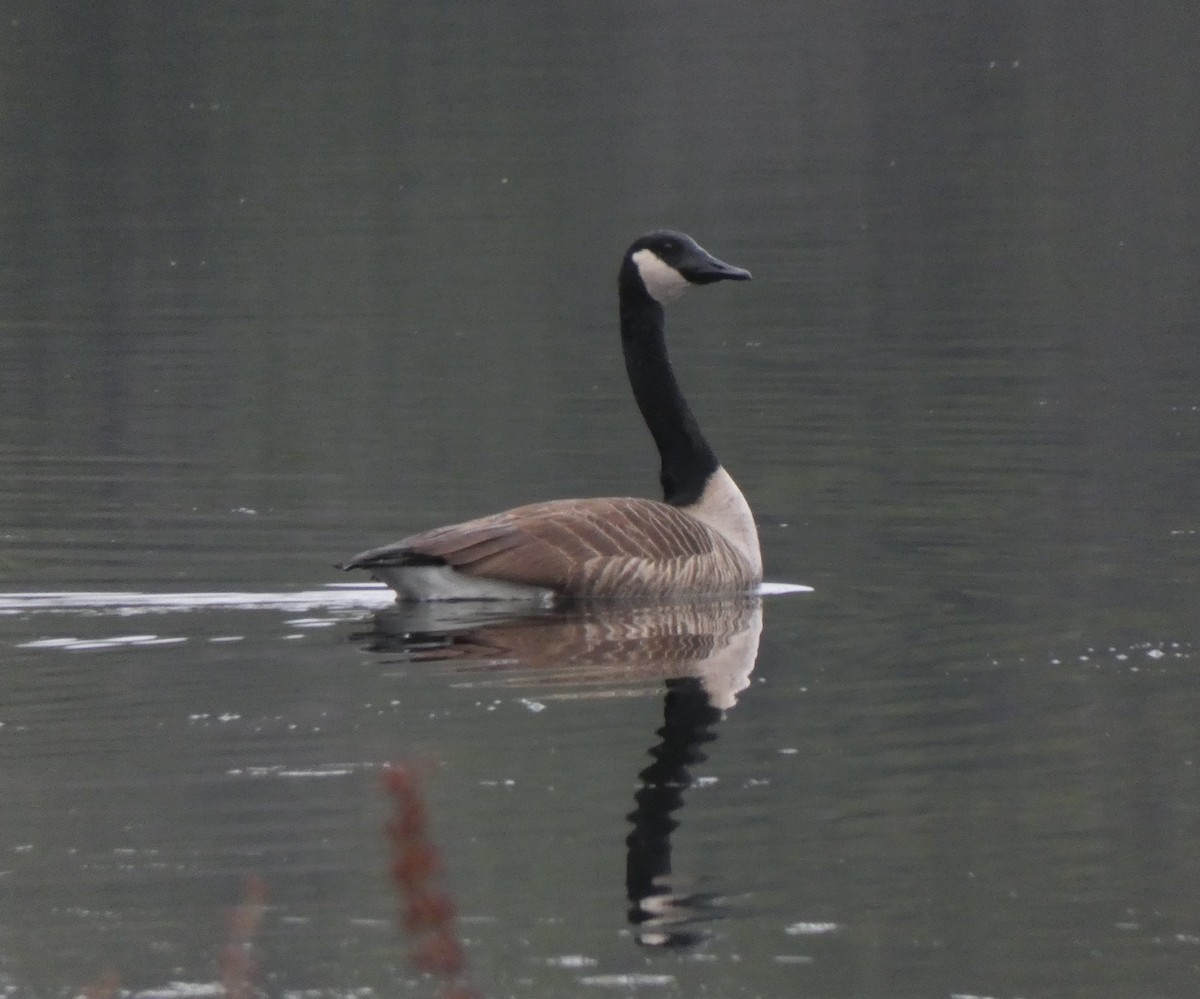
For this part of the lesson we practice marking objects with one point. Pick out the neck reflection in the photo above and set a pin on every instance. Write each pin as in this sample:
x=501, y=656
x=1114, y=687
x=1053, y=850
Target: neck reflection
x=664, y=917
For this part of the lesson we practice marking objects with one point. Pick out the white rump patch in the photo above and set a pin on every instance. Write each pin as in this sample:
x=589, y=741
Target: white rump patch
x=440, y=582
x=663, y=281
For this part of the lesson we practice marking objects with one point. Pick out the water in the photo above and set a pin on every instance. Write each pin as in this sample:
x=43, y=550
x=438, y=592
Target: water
x=279, y=286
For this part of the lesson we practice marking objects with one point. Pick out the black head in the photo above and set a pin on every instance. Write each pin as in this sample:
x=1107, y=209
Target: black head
x=667, y=263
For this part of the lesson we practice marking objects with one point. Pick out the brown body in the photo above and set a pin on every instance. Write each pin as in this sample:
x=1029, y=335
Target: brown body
x=605, y=548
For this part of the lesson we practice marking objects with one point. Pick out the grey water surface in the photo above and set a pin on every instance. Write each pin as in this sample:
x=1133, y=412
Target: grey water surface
x=282, y=282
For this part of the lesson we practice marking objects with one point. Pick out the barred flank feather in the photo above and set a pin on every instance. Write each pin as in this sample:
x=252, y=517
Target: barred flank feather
x=619, y=547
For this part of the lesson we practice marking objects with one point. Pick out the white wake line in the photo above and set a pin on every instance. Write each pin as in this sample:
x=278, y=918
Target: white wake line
x=782, y=589
x=353, y=596
x=334, y=596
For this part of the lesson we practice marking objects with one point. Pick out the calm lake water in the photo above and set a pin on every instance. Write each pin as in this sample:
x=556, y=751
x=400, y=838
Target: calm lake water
x=282, y=283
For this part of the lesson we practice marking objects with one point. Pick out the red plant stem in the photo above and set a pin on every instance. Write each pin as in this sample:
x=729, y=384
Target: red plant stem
x=236, y=962
x=104, y=987
x=428, y=912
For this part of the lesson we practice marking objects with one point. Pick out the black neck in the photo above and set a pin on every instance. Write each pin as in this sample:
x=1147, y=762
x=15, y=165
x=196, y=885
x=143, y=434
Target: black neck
x=687, y=459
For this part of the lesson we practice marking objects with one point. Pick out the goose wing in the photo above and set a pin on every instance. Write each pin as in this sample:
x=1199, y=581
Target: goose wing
x=592, y=547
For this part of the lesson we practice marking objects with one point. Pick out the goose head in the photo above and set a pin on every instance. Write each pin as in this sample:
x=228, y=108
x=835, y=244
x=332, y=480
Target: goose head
x=666, y=264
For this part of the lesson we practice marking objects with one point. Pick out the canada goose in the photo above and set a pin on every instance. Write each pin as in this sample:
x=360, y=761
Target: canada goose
x=700, y=540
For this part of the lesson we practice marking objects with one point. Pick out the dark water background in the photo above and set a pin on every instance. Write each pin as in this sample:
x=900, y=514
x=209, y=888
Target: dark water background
x=280, y=282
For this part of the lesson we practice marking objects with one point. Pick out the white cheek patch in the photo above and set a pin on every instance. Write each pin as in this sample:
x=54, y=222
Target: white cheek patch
x=663, y=281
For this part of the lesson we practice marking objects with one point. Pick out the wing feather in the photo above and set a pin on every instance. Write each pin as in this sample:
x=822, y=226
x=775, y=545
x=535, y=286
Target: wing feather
x=592, y=547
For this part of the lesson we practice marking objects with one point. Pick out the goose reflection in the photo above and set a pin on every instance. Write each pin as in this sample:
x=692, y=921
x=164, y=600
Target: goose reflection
x=703, y=653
